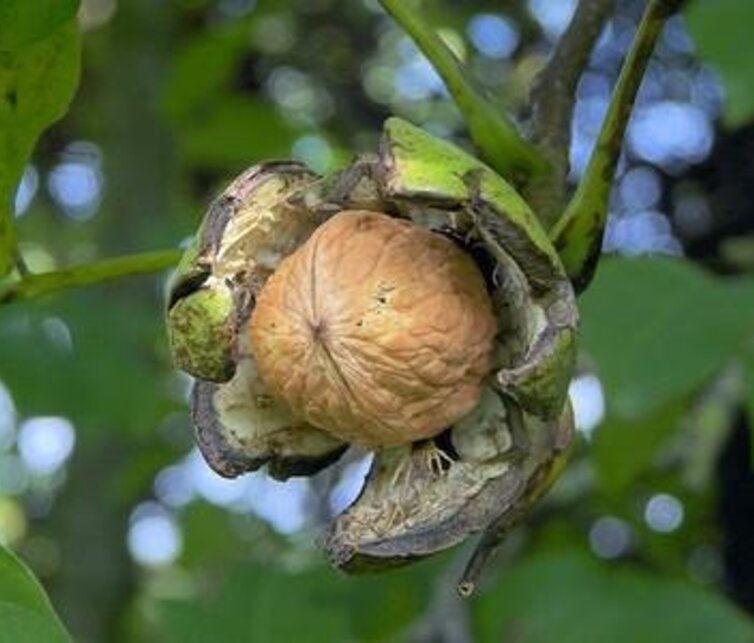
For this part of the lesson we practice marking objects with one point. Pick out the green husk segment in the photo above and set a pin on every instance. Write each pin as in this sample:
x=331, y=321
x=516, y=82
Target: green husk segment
x=421, y=167
x=200, y=334
x=541, y=385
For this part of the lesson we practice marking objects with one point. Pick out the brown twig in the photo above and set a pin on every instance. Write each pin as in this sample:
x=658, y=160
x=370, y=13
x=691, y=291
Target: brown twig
x=488, y=547
x=553, y=97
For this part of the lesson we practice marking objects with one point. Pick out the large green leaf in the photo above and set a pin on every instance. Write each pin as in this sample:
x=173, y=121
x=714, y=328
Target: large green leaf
x=722, y=31
x=262, y=603
x=256, y=605
x=658, y=328
x=26, y=615
x=570, y=598
x=90, y=358
x=235, y=132
x=39, y=69
x=216, y=126
x=23, y=22
x=623, y=449
x=217, y=54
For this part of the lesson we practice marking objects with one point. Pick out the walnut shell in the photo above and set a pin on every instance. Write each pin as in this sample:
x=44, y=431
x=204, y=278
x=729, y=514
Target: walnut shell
x=375, y=330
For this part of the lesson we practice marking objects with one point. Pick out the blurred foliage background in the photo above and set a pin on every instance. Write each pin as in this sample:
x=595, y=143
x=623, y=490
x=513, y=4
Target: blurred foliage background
x=649, y=535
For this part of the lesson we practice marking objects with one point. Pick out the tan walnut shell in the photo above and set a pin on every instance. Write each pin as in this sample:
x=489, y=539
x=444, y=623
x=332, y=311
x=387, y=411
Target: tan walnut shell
x=376, y=330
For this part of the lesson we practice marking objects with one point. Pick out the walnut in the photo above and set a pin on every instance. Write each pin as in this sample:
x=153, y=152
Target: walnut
x=313, y=321
x=375, y=330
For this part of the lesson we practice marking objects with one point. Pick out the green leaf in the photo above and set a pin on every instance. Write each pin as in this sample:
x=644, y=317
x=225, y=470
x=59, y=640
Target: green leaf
x=23, y=22
x=624, y=449
x=188, y=94
x=217, y=127
x=37, y=81
x=658, y=328
x=25, y=611
x=237, y=132
x=105, y=376
x=570, y=598
x=722, y=32
x=402, y=595
x=262, y=603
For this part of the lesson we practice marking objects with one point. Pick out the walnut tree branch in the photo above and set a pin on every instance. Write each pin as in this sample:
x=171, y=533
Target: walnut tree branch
x=33, y=286
x=578, y=233
x=496, y=137
x=553, y=97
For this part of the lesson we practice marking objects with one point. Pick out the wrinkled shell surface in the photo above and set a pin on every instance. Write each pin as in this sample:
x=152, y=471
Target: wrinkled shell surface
x=376, y=330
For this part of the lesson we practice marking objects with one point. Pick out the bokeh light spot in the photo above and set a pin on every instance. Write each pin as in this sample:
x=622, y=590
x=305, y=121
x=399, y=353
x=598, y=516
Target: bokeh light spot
x=154, y=539
x=493, y=35
x=27, y=190
x=671, y=135
x=640, y=188
x=639, y=233
x=59, y=334
x=350, y=483
x=76, y=183
x=588, y=402
x=610, y=537
x=282, y=505
x=45, y=443
x=663, y=513
x=314, y=151
x=553, y=16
